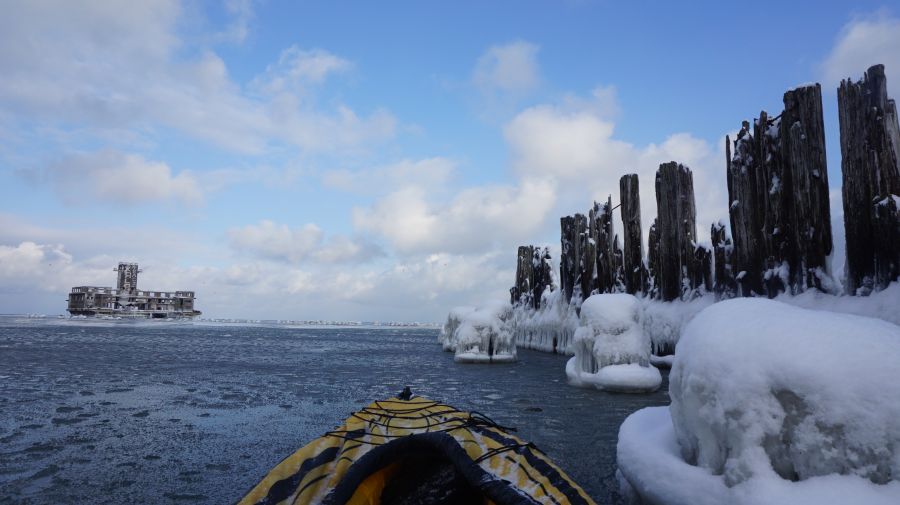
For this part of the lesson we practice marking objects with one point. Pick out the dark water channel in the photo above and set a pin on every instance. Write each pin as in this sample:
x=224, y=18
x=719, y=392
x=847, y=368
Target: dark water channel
x=111, y=412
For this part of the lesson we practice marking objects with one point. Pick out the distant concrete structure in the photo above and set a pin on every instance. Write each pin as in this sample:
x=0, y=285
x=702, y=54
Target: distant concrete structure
x=126, y=300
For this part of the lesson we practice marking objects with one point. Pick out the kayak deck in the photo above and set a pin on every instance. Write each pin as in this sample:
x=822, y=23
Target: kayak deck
x=416, y=450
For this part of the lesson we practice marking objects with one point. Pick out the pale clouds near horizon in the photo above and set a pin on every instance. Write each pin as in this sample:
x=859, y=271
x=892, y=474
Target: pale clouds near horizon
x=419, y=232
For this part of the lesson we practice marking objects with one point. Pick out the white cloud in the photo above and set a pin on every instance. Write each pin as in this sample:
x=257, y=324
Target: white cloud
x=574, y=145
x=863, y=42
x=107, y=65
x=426, y=173
x=242, y=15
x=564, y=157
x=475, y=220
x=297, y=69
x=36, y=277
x=114, y=177
x=27, y=258
x=509, y=68
x=280, y=242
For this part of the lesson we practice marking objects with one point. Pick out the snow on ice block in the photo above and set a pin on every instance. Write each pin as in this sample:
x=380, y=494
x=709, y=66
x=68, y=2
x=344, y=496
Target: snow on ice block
x=759, y=383
x=447, y=337
x=612, y=352
x=652, y=471
x=662, y=361
x=484, y=336
x=772, y=404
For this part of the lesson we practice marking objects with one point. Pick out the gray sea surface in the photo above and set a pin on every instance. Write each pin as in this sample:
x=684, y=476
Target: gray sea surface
x=168, y=412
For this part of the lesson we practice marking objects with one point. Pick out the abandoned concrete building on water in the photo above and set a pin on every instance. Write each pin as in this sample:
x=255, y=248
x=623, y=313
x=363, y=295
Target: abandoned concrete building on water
x=126, y=300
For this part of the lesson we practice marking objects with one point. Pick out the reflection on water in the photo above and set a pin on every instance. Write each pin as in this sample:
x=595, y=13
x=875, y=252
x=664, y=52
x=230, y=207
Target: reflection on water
x=162, y=412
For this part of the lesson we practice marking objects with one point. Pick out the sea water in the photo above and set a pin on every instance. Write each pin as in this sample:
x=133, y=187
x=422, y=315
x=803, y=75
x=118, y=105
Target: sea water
x=165, y=412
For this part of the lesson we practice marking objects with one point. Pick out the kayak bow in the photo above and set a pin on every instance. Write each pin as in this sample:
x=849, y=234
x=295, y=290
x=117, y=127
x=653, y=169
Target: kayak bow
x=413, y=450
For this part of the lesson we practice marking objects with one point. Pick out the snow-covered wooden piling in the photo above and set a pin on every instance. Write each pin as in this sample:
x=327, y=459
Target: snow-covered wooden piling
x=778, y=198
x=676, y=222
x=870, y=164
x=634, y=273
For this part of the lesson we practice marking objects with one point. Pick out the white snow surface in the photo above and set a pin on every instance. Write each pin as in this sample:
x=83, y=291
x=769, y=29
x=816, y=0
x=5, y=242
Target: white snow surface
x=759, y=386
x=483, y=335
x=884, y=304
x=652, y=470
x=772, y=404
x=612, y=352
x=664, y=322
x=662, y=361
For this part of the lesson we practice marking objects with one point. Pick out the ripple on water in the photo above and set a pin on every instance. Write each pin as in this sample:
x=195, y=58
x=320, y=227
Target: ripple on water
x=197, y=413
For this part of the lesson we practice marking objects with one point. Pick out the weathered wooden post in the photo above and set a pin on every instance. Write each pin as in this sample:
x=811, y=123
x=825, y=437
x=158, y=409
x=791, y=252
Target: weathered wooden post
x=520, y=293
x=807, y=193
x=677, y=229
x=779, y=202
x=653, y=260
x=587, y=256
x=602, y=236
x=870, y=164
x=745, y=213
x=725, y=285
x=543, y=274
x=533, y=275
x=568, y=259
x=634, y=275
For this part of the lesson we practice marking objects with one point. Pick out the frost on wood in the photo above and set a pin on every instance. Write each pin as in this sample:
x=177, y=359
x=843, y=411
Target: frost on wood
x=634, y=274
x=603, y=242
x=612, y=352
x=870, y=148
x=534, y=274
x=681, y=266
x=725, y=285
x=760, y=386
x=778, y=198
x=591, y=260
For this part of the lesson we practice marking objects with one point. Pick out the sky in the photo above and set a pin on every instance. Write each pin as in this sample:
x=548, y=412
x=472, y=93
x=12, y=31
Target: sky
x=375, y=160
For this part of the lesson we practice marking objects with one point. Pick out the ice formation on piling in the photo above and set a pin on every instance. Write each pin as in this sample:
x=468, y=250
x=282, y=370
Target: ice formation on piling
x=612, y=351
x=772, y=404
x=447, y=336
x=480, y=335
x=551, y=328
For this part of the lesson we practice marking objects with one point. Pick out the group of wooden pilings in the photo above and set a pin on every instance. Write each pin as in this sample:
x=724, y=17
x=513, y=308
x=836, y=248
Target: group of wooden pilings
x=779, y=213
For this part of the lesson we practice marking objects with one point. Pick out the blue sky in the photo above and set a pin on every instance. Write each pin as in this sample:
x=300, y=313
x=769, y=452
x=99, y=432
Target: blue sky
x=363, y=161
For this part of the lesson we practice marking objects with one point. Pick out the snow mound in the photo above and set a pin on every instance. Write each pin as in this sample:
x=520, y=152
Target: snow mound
x=759, y=386
x=651, y=470
x=483, y=335
x=448, y=333
x=612, y=352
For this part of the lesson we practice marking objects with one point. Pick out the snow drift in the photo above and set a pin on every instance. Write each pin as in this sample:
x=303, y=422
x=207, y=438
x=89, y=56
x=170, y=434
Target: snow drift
x=612, y=351
x=772, y=404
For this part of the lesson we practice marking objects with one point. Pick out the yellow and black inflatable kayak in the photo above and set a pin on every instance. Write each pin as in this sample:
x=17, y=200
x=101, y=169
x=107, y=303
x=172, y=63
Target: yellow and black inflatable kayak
x=411, y=450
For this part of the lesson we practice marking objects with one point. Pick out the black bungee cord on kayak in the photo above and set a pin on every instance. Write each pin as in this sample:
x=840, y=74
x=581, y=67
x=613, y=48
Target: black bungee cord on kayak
x=411, y=450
